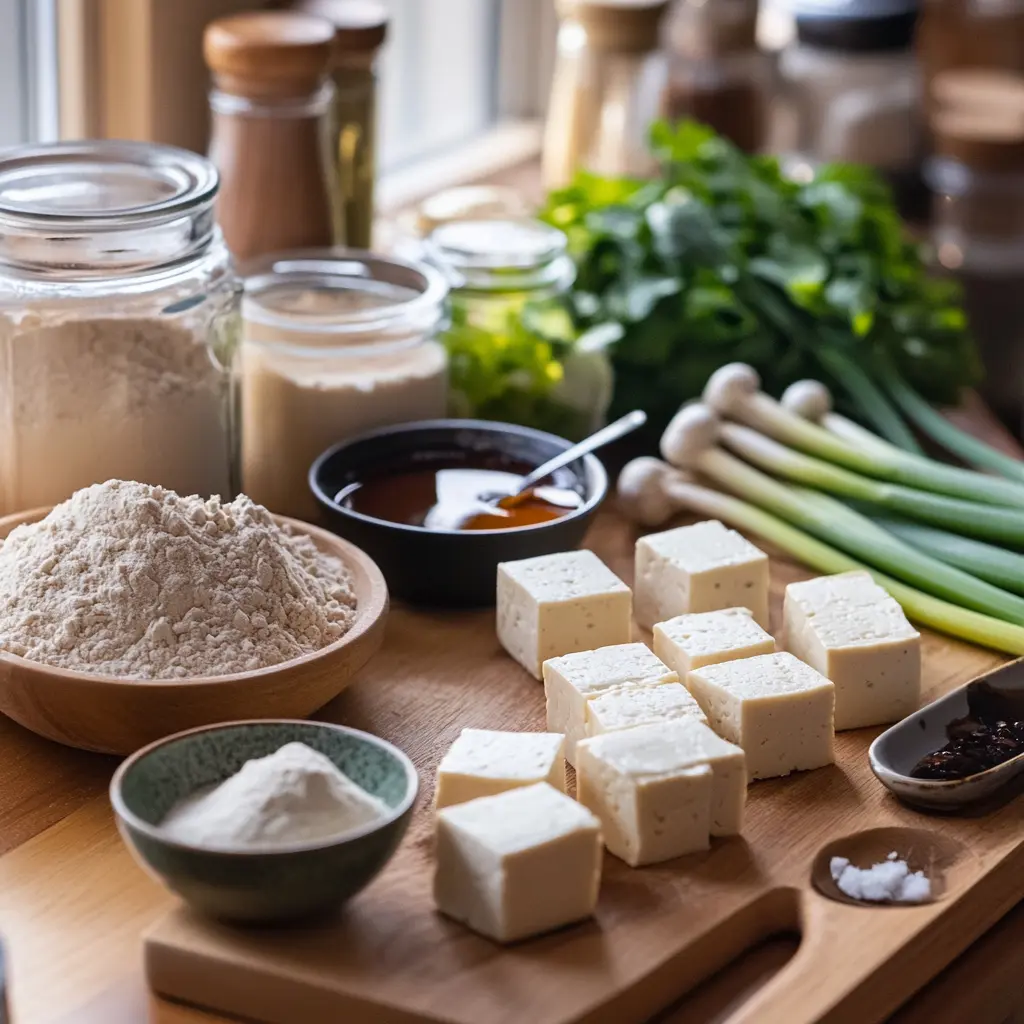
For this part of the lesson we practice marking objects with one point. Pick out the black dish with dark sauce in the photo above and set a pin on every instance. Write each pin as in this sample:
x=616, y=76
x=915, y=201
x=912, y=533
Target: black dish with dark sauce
x=990, y=734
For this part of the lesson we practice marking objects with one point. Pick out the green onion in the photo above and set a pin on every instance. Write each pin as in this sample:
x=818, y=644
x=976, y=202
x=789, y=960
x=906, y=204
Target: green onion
x=869, y=399
x=733, y=391
x=969, y=448
x=857, y=535
x=991, y=522
x=997, y=565
x=922, y=608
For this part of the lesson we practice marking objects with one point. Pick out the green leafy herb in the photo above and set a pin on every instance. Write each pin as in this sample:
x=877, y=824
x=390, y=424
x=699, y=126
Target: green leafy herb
x=723, y=258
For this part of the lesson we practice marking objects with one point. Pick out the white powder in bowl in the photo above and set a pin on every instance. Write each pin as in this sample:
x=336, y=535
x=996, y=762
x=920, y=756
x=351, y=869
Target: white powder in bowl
x=133, y=580
x=890, y=881
x=291, y=796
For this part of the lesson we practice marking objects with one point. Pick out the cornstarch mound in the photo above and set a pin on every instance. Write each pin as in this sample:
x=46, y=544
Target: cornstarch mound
x=136, y=581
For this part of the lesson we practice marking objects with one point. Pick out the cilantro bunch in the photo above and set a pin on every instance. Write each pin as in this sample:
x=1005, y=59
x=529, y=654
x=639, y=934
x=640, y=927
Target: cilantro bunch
x=722, y=259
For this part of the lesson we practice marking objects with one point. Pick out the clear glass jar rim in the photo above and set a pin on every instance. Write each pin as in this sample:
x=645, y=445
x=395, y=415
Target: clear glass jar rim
x=39, y=183
x=347, y=267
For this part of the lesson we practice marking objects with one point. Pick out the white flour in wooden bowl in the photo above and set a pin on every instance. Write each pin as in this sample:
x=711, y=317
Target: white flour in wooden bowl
x=132, y=580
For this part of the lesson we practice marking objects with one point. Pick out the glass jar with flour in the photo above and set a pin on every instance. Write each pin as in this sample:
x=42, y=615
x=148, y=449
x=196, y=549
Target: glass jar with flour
x=335, y=342
x=118, y=320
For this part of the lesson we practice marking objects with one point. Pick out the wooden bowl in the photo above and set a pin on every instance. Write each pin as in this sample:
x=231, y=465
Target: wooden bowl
x=112, y=715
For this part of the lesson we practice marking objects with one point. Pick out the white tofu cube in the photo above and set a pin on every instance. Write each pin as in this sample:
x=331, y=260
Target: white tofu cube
x=699, y=568
x=707, y=638
x=518, y=863
x=850, y=630
x=481, y=763
x=556, y=604
x=626, y=707
x=695, y=741
x=573, y=680
x=654, y=802
x=778, y=709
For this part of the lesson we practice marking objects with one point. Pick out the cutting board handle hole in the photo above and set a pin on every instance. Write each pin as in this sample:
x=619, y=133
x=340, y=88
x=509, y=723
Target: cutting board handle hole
x=946, y=862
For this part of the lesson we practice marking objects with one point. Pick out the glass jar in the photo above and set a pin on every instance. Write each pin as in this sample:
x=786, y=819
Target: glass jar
x=271, y=127
x=608, y=87
x=335, y=342
x=510, y=342
x=360, y=28
x=850, y=79
x=717, y=74
x=118, y=322
x=977, y=231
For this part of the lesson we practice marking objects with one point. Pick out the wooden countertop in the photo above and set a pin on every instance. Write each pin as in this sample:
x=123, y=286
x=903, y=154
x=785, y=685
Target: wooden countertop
x=73, y=904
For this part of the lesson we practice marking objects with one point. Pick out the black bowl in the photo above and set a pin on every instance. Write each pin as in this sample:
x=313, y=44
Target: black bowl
x=452, y=567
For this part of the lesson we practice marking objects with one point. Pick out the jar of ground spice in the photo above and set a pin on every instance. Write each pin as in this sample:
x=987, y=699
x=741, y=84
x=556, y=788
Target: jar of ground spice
x=717, y=74
x=336, y=342
x=271, y=109
x=118, y=320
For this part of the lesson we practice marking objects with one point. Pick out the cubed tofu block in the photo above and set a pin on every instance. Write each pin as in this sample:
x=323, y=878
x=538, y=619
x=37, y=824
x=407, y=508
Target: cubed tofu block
x=654, y=802
x=696, y=741
x=518, y=863
x=699, y=568
x=778, y=709
x=557, y=604
x=570, y=682
x=850, y=630
x=707, y=638
x=626, y=707
x=481, y=763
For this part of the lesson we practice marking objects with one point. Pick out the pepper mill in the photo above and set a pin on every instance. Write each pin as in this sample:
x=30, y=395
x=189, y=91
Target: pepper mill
x=271, y=112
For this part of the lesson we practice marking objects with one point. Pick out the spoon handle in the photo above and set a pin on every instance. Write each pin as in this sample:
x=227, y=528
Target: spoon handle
x=625, y=425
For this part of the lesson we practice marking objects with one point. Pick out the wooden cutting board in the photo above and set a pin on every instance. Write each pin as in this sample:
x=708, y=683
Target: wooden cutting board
x=391, y=959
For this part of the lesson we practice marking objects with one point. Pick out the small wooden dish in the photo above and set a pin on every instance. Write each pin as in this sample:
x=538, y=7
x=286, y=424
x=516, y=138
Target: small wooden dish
x=112, y=715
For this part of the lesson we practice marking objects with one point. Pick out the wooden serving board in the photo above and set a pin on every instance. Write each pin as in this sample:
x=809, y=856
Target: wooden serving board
x=391, y=959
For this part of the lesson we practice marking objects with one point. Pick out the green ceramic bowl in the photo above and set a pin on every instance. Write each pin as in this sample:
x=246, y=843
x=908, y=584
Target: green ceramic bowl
x=286, y=883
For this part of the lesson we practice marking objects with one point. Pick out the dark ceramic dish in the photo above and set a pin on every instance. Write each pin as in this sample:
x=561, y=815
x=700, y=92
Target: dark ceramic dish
x=451, y=567
x=287, y=882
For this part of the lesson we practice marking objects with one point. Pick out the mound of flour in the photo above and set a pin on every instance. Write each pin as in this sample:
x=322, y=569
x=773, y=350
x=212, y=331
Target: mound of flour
x=137, y=581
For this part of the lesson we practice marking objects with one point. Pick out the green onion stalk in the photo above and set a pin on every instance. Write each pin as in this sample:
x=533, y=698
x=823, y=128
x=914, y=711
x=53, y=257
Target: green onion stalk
x=734, y=392
x=690, y=442
x=971, y=449
x=989, y=522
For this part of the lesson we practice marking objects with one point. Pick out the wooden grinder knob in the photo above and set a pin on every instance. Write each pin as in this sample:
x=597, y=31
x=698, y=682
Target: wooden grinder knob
x=270, y=105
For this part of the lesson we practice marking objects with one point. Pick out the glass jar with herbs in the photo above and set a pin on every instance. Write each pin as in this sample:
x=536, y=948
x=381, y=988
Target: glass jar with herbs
x=512, y=351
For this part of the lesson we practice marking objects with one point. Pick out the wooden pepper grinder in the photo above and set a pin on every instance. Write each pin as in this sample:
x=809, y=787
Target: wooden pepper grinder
x=271, y=114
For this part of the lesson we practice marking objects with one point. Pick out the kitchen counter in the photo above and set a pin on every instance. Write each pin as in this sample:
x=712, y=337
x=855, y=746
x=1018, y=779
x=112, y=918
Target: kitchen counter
x=73, y=905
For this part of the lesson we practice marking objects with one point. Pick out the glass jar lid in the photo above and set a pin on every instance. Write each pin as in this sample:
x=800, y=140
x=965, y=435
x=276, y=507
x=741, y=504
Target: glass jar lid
x=325, y=298
x=501, y=255
x=103, y=207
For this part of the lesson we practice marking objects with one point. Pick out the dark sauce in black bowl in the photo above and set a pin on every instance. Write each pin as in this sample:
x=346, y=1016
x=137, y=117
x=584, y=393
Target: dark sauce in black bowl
x=406, y=492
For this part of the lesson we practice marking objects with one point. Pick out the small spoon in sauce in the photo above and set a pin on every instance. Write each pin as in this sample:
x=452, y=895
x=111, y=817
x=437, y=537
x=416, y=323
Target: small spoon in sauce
x=487, y=509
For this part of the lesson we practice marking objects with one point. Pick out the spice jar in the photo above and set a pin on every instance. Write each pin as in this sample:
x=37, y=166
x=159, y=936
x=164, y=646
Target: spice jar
x=510, y=342
x=334, y=343
x=360, y=27
x=271, y=121
x=118, y=319
x=977, y=176
x=717, y=74
x=608, y=88
x=851, y=80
